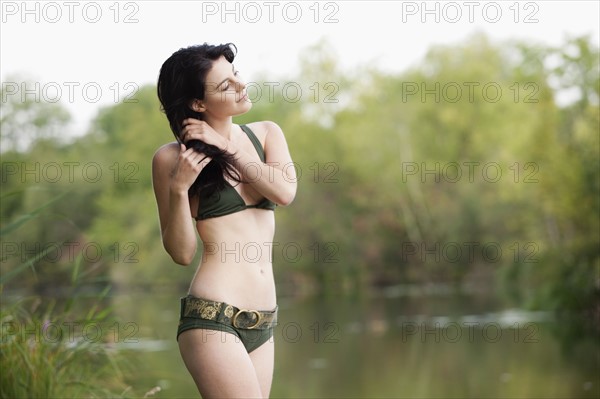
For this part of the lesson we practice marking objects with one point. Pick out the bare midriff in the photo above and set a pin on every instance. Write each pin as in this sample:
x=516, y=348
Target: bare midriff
x=236, y=264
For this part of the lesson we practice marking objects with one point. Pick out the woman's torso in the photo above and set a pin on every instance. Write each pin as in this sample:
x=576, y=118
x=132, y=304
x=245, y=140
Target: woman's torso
x=237, y=248
x=236, y=263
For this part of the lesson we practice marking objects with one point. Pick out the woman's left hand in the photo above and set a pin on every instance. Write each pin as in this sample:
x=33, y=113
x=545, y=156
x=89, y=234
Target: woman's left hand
x=195, y=129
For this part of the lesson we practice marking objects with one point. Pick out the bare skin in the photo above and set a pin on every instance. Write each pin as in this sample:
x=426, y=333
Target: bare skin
x=236, y=264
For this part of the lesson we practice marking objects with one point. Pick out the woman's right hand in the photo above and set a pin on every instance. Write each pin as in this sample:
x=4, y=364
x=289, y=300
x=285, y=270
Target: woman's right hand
x=187, y=168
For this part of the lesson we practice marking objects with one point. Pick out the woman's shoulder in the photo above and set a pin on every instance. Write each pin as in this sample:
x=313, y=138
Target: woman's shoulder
x=166, y=154
x=263, y=125
x=265, y=128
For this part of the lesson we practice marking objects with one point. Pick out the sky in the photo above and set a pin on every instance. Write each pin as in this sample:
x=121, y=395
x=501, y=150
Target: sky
x=90, y=54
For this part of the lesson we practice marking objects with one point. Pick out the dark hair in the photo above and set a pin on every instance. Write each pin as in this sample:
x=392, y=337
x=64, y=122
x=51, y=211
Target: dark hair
x=182, y=80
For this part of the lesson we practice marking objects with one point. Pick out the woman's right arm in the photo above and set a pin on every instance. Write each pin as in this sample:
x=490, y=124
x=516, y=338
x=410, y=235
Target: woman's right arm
x=174, y=170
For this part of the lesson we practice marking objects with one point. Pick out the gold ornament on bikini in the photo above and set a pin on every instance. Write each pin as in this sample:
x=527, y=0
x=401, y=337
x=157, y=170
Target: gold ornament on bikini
x=229, y=311
x=206, y=309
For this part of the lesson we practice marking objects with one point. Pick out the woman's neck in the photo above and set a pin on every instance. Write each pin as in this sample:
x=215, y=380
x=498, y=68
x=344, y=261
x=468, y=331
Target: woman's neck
x=222, y=126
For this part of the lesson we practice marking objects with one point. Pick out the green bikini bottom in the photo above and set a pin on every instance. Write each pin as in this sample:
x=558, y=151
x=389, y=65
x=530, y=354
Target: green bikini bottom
x=193, y=315
x=251, y=339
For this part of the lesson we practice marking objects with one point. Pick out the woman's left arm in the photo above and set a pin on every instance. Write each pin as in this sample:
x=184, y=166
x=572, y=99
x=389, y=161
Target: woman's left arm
x=276, y=178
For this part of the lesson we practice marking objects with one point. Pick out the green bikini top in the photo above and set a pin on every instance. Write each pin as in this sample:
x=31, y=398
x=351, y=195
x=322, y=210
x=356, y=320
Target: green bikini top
x=228, y=200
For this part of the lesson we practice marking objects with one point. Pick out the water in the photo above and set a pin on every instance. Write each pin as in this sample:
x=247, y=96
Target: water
x=392, y=345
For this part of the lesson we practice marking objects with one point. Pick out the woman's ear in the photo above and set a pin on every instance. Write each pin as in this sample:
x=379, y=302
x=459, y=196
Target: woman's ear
x=197, y=105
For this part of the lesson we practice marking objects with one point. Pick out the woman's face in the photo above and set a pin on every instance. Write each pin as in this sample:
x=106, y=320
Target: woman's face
x=225, y=93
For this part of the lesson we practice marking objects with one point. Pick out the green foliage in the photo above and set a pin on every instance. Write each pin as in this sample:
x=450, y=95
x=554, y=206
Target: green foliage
x=40, y=357
x=44, y=349
x=24, y=121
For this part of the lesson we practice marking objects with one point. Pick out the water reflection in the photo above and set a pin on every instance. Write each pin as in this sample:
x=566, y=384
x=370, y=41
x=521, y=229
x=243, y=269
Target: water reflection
x=390, y=346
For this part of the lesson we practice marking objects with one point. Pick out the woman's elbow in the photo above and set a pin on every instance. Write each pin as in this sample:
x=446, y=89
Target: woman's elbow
x=287, y=197
x=183, y=258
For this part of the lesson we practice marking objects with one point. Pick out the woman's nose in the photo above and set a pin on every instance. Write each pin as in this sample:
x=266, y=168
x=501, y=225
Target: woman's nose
x=240, y=85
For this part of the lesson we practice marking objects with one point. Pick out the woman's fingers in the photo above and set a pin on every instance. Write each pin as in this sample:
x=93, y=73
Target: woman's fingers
x=188, y=154
x=191, y=157
x=196, y=158
x=192, y=121
x=194, y=129
x=184, y=151
x=191, y=125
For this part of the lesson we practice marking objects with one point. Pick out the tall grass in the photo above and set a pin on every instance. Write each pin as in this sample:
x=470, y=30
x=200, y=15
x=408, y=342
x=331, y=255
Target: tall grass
x=52, y=350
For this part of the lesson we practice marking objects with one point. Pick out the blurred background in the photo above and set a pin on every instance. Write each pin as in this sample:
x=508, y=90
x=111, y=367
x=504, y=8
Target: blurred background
x=444, y=241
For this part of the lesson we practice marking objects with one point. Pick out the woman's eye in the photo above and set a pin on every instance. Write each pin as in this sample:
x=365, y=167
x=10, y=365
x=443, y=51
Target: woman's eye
x=236, y=73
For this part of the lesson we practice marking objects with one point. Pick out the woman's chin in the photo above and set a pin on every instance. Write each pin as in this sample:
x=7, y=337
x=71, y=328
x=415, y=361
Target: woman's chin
x=245, y=107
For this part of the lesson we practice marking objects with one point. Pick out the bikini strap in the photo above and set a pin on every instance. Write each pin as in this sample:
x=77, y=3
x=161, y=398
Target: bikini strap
x=255, y=142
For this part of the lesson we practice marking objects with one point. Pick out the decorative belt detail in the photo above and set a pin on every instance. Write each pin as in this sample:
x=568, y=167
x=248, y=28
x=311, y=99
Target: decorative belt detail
x=227, y=314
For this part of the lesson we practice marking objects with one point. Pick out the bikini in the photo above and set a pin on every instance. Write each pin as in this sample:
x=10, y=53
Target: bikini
x=252, y=327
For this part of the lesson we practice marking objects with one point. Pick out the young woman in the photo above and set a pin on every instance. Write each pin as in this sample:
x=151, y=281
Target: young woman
x=224, y=181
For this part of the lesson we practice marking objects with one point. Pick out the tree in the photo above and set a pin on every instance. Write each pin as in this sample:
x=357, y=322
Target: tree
x=25, y=120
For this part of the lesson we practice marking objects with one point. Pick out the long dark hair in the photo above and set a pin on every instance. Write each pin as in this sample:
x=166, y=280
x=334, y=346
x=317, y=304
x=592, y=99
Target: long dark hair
x=182, y=80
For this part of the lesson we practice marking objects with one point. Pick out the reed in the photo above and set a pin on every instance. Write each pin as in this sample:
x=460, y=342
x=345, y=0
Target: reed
x=51, y=348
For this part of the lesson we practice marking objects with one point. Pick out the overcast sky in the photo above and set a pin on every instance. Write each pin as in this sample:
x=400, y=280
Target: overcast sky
x=84, y=54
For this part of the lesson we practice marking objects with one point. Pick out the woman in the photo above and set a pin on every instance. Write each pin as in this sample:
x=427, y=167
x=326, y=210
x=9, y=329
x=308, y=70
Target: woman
x=229, y=178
